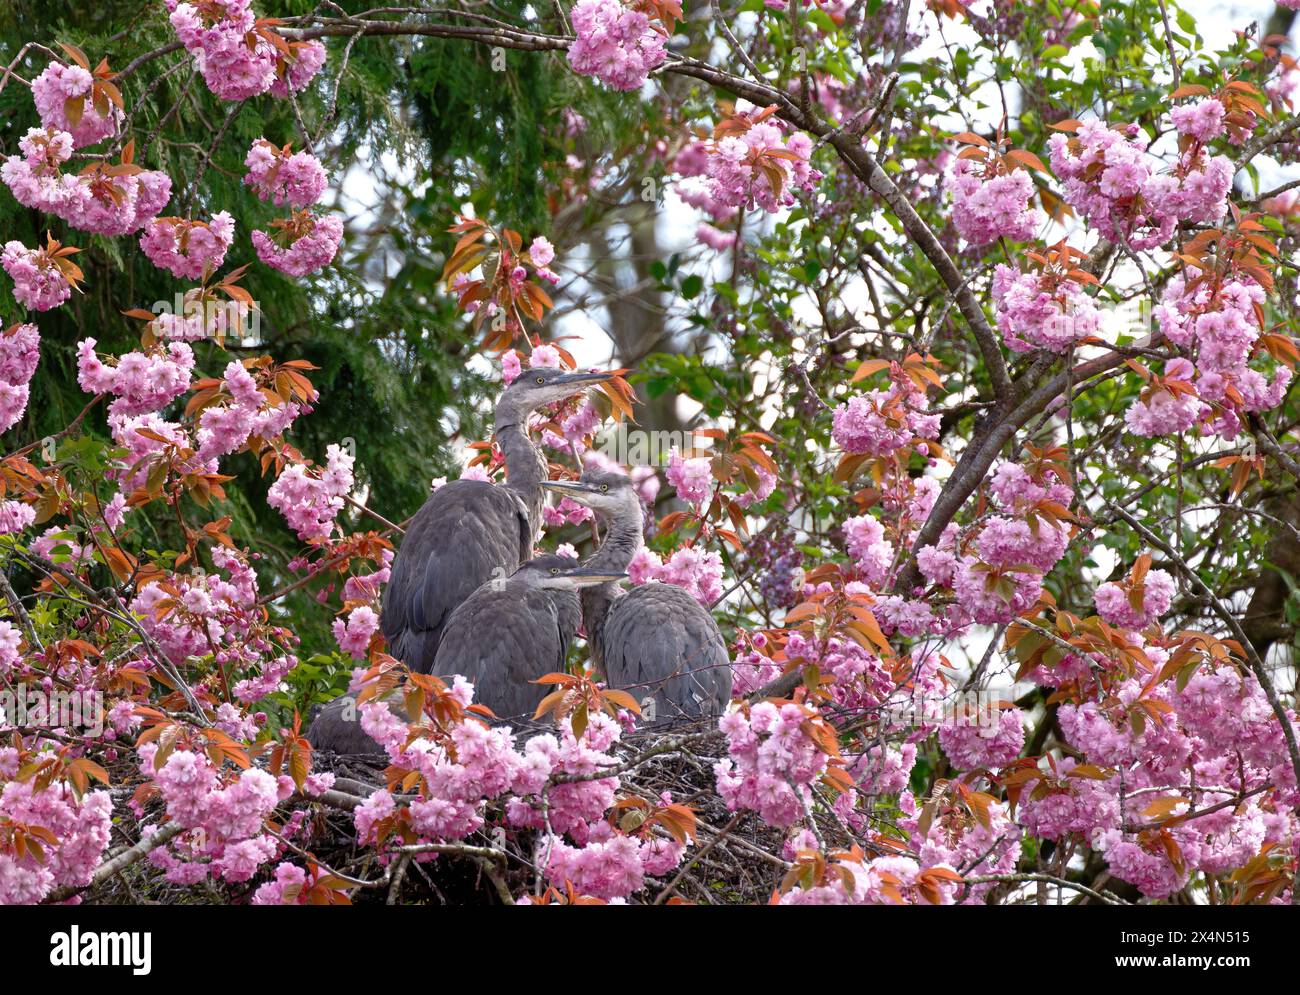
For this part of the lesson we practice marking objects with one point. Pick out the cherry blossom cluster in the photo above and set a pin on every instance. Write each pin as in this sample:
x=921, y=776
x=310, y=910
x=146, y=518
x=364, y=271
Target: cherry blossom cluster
x=615, y=43
x=889, y=880
x=310, y=501
x=282, y=176
x=191, y=614
x=742, y=168
x=305, y=241
x=1109, y=178
x=71, y=833
x=693, y=477
x=245, y=414
x=1038, y=311
x=466, y=767
x=1135, y=604
x=141, y=382
x=354, y=633
x=697, y=190
x=982, y=738
x=1215, y=739
x=19, y=353
x=697, y=571
x=612, y=865
x=772, y=762
x=103, y=199
x=860, y=679
x=238, y=56
x=10, y=657
x=56, y=91
x=287, y=887
x=15, y=516
x=565, y=512
x=229, y=815
x=962, y=837
x=872, y=553
x=188, y=249
x=121, y=204
x=573, y=806
x=202, y=316
x=882, y=422
x=35, y=177
x=988, y=207
x=39, y=282
x=300, y=244
x=1003, y=575
x=1216, y=320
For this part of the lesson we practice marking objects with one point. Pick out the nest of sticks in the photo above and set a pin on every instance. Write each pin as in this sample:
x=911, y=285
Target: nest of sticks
x=734, y=859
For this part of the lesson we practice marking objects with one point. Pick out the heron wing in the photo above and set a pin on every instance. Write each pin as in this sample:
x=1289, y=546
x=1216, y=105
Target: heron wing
x=659, y=641
x=504, y=637
x=337, y=727
x=468, y=532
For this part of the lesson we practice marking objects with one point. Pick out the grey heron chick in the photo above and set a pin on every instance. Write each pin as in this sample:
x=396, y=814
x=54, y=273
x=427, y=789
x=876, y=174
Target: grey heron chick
x=654, y=641
x=469, y=531
x=507, y=634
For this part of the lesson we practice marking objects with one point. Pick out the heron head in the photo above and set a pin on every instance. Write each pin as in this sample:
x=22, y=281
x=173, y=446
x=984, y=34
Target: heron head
x=562, y=573
x=605, y=492
x=543, y=385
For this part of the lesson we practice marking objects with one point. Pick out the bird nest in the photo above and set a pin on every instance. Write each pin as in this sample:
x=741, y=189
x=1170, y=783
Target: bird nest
x=735, y=857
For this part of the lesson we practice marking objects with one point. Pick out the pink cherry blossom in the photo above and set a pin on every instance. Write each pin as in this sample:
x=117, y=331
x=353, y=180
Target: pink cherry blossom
x=1202, y=120
x=617, y=45
x=39, y=283
x=292, y=74
x=283, y=176
x=311, y=500
x=52, y=91
x=236, y=63
x=188, y=249
x=986, y=208
x=35, y=177
x=1115, y=601
x=1035, y=313
x=304, y=244
x=19, y=352
x=693, y=477
x=736, y=179
x=991, y=738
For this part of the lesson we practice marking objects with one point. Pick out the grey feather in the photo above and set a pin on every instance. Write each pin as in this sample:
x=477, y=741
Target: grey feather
x=504, y=637
x=657, y=640
x=337, y=727
x=467, y=533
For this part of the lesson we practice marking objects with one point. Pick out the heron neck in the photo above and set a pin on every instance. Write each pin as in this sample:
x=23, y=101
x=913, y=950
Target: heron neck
x=525, y=467
x=596, y=602
x=622, y=540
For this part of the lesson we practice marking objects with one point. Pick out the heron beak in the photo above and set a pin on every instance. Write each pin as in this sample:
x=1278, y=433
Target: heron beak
x=584, y=379
x=572, y=486
x=585, y=575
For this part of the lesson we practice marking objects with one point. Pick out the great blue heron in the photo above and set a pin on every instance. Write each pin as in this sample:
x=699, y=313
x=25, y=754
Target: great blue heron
x=470, y=531
x=504, y=636
x=654, y=639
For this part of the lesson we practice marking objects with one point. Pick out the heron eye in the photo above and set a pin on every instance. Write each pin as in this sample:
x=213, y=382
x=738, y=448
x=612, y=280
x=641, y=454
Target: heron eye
x=541, y=380
x=555, y=570
x=604, y=487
